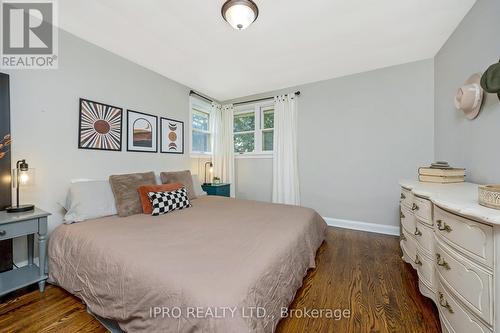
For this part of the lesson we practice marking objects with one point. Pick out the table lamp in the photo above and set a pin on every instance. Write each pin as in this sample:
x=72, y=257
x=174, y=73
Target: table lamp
x=211, y=170
x=23, y=177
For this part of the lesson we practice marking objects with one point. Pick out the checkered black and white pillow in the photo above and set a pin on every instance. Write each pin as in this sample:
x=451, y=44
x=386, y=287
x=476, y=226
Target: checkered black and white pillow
x=164, y=202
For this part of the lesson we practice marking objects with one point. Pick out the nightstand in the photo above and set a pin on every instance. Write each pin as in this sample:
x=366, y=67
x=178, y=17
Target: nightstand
x=25, y=224
x=222, y=190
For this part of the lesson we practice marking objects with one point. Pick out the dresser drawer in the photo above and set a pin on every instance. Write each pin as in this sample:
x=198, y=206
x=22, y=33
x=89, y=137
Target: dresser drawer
x=471, y=284
x=406, y=197
x=473, y=239
x=407, y=219
x=408, y=246
x=455, y=317
x=12, y=230
x=425, y=269
x=422, y=209
x=425, y=237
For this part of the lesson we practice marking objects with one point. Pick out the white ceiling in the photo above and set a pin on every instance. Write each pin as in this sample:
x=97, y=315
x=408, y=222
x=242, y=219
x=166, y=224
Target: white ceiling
x=292, y=42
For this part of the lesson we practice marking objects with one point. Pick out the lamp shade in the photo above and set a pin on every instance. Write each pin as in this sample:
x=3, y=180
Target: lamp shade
x=240, y=13
x=26, y=177
x=23, y=176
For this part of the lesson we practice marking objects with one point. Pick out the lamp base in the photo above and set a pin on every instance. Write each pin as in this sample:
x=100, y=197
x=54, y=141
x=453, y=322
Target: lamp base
x=20, y=208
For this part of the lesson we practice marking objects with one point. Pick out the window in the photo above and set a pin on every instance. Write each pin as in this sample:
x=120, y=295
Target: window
x=253, y=130
x=268, y=129
x=244, y=132
x=201, y=135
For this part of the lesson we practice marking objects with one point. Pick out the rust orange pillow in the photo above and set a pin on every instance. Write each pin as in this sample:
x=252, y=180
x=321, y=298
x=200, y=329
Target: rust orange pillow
x=147, y=207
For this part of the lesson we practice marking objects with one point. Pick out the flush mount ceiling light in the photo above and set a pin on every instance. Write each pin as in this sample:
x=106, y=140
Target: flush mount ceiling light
x=240, y=13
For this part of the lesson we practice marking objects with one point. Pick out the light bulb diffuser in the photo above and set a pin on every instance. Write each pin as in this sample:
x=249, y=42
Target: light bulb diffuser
x=240, y=14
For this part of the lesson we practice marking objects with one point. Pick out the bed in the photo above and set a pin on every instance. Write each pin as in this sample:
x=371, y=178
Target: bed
x=224, y=265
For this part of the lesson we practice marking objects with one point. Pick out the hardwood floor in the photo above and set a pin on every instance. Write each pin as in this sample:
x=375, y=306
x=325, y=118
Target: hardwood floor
x=357, y=271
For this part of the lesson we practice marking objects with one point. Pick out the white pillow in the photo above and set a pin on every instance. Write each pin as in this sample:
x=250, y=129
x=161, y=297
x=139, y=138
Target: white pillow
x=67, y=203
x=89, y=200
x=197, y=187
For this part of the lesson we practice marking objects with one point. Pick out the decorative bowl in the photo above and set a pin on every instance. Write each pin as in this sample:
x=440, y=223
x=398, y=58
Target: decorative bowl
x=489, y=196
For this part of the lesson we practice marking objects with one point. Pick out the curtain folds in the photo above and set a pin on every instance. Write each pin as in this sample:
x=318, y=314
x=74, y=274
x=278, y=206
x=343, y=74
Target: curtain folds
x=223, y=144
x=285, y=162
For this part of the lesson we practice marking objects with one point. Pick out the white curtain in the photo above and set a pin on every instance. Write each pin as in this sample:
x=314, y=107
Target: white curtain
x=223, y=146
x=285, y=165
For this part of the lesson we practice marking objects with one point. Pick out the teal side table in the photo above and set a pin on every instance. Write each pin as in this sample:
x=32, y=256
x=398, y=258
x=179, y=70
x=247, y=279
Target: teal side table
x=221, y=190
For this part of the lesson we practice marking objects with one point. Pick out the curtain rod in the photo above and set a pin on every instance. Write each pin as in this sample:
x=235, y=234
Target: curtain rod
x=192, y=92
x=297, y=93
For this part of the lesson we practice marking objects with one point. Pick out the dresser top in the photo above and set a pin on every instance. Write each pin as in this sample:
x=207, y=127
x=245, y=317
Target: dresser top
x=16, y=217
x=459, y=198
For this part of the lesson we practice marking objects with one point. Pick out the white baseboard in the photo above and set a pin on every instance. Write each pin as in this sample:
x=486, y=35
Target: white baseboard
x=363, y=226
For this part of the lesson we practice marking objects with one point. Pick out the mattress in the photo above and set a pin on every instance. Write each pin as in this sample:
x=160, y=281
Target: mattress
x=224, y=265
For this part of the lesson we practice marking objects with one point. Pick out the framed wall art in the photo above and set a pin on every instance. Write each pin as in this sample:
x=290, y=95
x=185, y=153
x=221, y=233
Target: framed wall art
x=100, y=126
x=142, y=132
x=172, y=136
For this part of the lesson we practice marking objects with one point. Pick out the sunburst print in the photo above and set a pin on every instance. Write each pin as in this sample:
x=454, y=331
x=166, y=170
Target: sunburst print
x=100, y=126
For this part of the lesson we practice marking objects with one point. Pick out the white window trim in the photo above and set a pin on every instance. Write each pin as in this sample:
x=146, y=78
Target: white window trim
x=205, y=107
x=259, y=122
x=253, y=155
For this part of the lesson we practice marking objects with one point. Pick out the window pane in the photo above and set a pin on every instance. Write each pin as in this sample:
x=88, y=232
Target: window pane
x=244, y=143
x=201, y=142
x=268, y=118
x=200, y=120
x=244, y=122
x=268, y=140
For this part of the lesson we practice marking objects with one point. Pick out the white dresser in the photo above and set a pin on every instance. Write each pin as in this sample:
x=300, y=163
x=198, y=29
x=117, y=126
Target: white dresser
x=453, y=243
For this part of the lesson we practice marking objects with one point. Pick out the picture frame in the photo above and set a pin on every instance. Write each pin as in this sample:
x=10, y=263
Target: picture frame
x=99, y=126
x=142, y=132
x=171, y=136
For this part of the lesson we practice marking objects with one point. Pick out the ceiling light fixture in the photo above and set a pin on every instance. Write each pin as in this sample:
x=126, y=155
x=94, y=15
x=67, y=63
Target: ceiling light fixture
x=240, y=13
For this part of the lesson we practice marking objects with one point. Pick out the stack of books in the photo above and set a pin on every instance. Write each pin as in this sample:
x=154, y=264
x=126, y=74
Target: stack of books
x=441, y=172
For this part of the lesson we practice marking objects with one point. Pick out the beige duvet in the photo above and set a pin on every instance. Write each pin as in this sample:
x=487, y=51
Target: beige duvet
x=224, y=265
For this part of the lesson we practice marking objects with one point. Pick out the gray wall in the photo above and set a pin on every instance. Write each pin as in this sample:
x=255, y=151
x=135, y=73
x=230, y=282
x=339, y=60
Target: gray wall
x=472, y=48
x=357, y=136
x=44, y=109
x=254, y=178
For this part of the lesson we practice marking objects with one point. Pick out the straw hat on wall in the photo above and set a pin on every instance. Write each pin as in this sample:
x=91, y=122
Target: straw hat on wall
x=469, y=97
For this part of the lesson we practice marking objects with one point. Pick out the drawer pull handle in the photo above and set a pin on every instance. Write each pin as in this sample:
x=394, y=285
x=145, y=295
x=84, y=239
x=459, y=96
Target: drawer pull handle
x=441, y=262
x=3, y=232
x=444, y=303
x=442, y=226
x=417, y=260
x=403, y=196
x=414, y=207
x=417, y=232
x=401, y=215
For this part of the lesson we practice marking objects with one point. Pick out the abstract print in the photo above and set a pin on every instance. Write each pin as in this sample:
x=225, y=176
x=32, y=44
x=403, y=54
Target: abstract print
x=172, y=136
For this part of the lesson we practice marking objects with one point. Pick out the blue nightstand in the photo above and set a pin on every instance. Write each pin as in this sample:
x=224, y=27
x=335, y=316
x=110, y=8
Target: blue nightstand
x=222, y=190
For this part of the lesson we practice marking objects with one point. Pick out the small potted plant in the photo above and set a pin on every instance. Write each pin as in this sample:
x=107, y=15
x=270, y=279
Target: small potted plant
x=216, y=180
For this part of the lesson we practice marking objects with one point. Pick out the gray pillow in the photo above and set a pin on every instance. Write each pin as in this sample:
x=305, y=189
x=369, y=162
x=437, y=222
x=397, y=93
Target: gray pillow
x=183, y=177
x=125, y=188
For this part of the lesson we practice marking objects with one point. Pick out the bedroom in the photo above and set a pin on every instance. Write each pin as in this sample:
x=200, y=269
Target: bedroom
x=328, y=107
